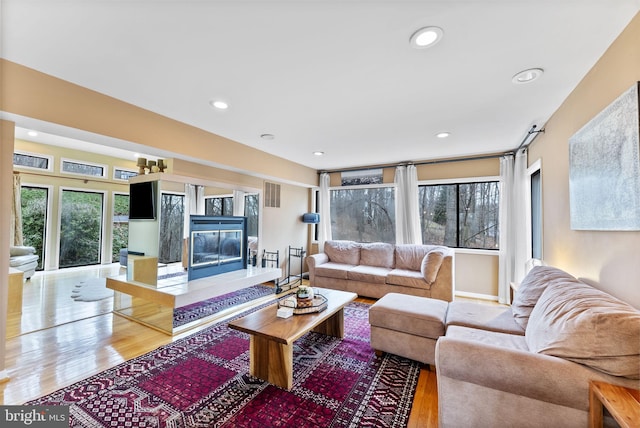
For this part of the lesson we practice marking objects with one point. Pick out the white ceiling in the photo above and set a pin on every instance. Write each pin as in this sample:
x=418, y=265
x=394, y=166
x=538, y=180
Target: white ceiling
x=334, y=76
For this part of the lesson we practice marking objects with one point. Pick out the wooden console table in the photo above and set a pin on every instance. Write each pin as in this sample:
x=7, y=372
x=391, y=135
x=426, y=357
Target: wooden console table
x=623, y=404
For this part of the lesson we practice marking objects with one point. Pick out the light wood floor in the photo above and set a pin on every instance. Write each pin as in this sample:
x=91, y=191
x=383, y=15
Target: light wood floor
x=57, y=343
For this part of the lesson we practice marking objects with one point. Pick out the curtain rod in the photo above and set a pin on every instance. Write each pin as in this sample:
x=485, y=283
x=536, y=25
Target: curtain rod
x=64, y=177
x=532, y=131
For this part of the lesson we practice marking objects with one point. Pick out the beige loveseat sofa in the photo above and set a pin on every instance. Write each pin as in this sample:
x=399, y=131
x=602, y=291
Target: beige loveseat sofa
x=528, y=365
x=375, y=269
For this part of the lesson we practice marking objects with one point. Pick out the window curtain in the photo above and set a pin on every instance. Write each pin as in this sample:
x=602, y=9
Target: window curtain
x=513, y=227
x=238, y=202
x=407, y=215
x=324, y=200
x=194, y=204
x=16, y=212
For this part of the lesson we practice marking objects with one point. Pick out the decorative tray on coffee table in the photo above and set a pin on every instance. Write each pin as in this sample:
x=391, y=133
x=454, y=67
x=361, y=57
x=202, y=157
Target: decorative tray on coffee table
x=317, y=304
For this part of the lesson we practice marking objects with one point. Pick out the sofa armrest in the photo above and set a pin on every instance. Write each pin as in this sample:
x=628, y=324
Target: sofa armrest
x=20, y=250
x=442, y=287
x=522, y=373
x=314, y=260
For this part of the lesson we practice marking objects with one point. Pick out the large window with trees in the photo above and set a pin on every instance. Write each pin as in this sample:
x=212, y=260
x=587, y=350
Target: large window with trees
x=363, y=214
x=218, y=206
x=34, y=203
x=80, y=228
x=171, y=227
x=120, y=227
x=251, y=211
x=461, y=215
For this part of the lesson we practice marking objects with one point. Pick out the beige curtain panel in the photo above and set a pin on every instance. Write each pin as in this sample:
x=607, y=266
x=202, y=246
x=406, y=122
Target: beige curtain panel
x=16, y=212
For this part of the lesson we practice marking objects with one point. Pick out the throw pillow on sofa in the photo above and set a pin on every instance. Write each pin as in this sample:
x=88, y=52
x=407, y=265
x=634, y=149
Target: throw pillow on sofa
x=347, y=252
x=582, y=324
x=431, y=264
x=532, y=287
x=377, y=254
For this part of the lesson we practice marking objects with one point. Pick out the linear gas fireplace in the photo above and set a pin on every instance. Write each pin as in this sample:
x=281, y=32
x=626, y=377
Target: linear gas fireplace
x=217, y=245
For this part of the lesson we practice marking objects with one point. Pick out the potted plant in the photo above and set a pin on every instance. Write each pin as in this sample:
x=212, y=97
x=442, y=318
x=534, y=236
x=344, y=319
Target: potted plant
x=304, y=292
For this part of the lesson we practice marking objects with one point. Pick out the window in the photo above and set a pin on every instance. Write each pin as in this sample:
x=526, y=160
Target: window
x=83, y=168
x=120, y=225
x=251, y=209
x=80, y=228
x=34, y=219
x=461, y=215
x=536, y=215
x=219, y=206
x=123, y=174
x=363, y=214
x=171, y=227
x=29, y=160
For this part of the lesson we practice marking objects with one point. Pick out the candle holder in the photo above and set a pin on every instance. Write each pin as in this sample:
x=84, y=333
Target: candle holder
x=142, y=164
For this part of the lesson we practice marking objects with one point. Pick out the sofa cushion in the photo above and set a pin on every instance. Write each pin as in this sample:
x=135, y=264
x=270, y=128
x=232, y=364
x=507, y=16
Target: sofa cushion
x=431, y=264
x=585, y=325
x=28, y=259
x=415, y=315
x=483, y=316
x=347, y=252
x=494, y=338
x=377, y=254
x=333, y=270
x=372, y=274
x=407, y=278
x=410, y=256
x=531, y=288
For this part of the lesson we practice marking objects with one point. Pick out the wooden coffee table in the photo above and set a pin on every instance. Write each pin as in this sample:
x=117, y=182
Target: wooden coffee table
x=271, y=342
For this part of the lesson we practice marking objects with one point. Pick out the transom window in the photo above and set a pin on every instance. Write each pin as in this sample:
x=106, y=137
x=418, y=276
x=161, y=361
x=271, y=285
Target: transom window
x=123, y=174
x=29, y=160
x=83, y=168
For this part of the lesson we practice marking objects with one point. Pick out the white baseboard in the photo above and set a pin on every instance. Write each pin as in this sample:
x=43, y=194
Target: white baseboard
x=476, y=296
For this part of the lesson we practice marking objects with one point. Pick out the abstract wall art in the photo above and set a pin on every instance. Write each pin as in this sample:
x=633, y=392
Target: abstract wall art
x=604, y=168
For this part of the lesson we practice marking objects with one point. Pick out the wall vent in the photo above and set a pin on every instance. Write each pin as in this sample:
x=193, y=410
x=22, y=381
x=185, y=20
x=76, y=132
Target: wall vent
x=271, y=195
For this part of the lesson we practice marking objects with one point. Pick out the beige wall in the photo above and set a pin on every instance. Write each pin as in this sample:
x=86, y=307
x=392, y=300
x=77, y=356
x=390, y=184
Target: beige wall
x=6, y=194
x=476, y=274
x=610, y=259
x=282, y=227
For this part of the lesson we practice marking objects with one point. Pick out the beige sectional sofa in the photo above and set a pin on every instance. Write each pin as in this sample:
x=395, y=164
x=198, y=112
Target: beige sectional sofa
x=527, y=365
x=375, y=269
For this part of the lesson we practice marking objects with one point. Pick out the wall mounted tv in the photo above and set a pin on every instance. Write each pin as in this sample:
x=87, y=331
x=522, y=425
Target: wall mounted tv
x=142, y=200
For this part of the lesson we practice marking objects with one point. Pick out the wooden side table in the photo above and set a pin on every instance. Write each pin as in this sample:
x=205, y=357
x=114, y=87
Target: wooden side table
x=623, y=404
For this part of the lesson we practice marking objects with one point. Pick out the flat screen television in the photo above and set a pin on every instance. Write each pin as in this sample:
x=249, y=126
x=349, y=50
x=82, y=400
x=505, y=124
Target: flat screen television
x=142, y=201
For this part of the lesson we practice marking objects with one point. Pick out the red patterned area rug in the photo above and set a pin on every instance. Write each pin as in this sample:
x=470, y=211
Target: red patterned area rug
x=196, y=311
x=203, y=381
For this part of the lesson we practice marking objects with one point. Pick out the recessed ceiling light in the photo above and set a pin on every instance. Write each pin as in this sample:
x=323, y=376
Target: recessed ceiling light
x=267, y=136
x=32, y=133
x=221, y=105
x=527, y=76
x=443, y=134
x=426, y=37
x=318, y=153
